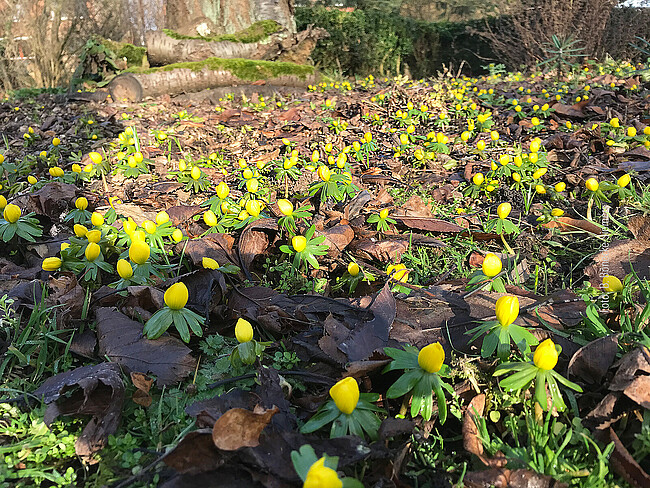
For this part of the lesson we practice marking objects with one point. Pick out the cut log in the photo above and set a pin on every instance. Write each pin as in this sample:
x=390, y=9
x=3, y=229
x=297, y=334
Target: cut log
x=175, y=79
x=163, y=49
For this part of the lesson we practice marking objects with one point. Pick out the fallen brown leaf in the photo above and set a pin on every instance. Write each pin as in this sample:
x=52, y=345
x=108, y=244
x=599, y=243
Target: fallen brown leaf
x=239, y=428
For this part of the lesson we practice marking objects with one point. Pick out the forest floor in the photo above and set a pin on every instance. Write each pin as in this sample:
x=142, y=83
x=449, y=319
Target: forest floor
x=185, y=283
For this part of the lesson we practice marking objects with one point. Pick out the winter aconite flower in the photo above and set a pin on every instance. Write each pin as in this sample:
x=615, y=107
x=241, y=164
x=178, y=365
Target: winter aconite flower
x=623, y=181
x=353, y=269
x=124, y=269
x=478, y=179
x=12, y=213
x=243, y=331
x=612, y=284
x=320, y=476
x=51, y=264
x=345, y=394
x=431, y=357
x=139, y=252
x=545, y=356
x=507, y=310
x=97, y=219
x=492, y=265
x=92, y=251
x=176, y=296
x=299, y=243
x=592, y=184
x=503, y=210
x=81, y=203
x=209, y=263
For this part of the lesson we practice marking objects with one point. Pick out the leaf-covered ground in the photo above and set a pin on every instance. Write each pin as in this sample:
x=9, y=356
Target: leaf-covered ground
x=338, y=222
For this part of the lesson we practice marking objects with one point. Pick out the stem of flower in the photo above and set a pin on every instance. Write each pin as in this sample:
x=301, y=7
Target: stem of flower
x=589, y=205
x=506, y=245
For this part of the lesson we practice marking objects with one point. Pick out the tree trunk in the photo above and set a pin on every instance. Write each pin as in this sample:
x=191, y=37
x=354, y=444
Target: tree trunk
x=226, y=17
x=210, y=73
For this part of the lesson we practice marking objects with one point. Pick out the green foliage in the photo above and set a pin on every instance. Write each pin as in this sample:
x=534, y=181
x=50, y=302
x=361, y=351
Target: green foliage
x=31, y=454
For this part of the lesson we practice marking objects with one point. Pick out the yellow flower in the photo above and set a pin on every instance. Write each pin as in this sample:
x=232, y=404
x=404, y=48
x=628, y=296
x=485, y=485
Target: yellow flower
x=222, y=190
x=243, y=330
x=94, y=235
x=491, y=265
x=345, y=394
x=612, y=284
x=541, y=189
x=3, y=202
x=591, y=184
x=504, y=159
x=162, y=218
x=97, y=219
x=76, y=168
x=383, y=213
x=299, y=243
x=51, y=264
x=56, y=141
x=353, y=269
x=177, y=235
x=252, y=185
x=253, y=207
x=182, y=165
x=545, y=356
x=503, y=210
x=399, y=272
x=324, y=173
x=557, y=212
x=176, y=296
x=431, y=357
x=560, y=187
x=80, y=230
x=320, y=476
x=92, y=251
x=478, y=179
x=138, y=235
x=12, y=213
x=480, y=145
x=210, y=218
x=516, y=177
x=129, y=227
x=195, y=173
x=31, y=180
x=615, y=122
x=507, y=310
x=494, y=135
x=209, y=263
x=139, y=252
x=631, y=131
x=247, y=173
x=149, y=226
x=81, y=203
x=56, y=172
x=623, y=181
x=285, y=207
x=534, y=145
x=539, y=173
x=124, y=269
x=368, y=136
x=95, y=157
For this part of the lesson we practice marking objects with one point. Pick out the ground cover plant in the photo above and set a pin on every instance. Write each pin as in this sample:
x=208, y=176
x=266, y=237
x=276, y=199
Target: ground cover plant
x=385, y=282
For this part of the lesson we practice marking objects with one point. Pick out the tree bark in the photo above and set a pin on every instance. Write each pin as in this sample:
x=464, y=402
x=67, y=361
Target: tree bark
x=226, y=17
x=211, y=73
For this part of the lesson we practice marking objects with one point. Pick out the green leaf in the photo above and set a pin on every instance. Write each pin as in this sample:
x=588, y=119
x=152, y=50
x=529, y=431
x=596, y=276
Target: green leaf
x=324, y=416
x=540, y=389
x=181, y=325
x=303, y=459
x=519, y=380
x=490, y=342
x=442, y=402
x=369, y=422
x=158, y=324
x=565, y=382
x=404, y=383
x=340, y=426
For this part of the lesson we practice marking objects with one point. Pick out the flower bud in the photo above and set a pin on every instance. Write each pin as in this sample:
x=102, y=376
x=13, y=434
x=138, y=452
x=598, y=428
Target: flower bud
x=222, y=190
x=592, y=184
x=253, y=207
x=540, y=189
x=299, y=243
x=210, y=218
x=516, y=177
x=51, y=264
x=431, y=357
x=285, y=207
x=195, y=173
x=539, y=173
x=383, y=213
x=612, y=284
x=209, y=263
x=631, y=132
x=81, y=203
x=129, y=227
x=80, y=230
x=3, y=202
x=623, y=181
x=243, y=331
x=353, y=269
x=12, y=213
x=124, y=269
x=149, y=226
x=345, y=394
x=478, y=179
x=95, y=157
x=560, y=187
x=398, y=271
x=491, y=265
x=545, y=356
x=94, y=235
x=557, y=212
x=97, y=219
x=31, y=179
x=324, y=173
x=320, y=476
x=176, y=296
x=507, y=310
x=177, y=235
x=503, y=210
x=162, y=218
x=92, y=251
x=139, y=252
x=252, y=185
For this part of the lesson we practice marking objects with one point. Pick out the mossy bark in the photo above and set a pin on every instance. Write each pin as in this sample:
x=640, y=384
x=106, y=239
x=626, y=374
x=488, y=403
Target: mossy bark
x=180, y=78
